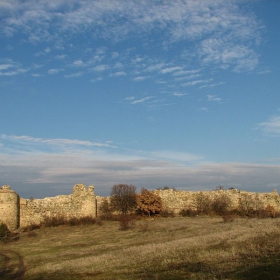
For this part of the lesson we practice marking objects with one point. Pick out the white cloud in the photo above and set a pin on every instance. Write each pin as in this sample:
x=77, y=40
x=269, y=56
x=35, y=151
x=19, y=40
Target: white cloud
x=170, y=69
x=179, y=94
x=115, y=54
x=54, y=71
x=185, y=72
x=141, y=100
x=61, y=142
x=212, y=85
x=193, y=83
x=226, y=54
x=214, y=98
x=271, y=126
x=11, y=68
x=118, y=74
x=190, y=77
x=215, y=26
x=139, y=78
x=74, y=75
x=34, y=173
x=154, y=67
x=100, y=68
x=78, y=63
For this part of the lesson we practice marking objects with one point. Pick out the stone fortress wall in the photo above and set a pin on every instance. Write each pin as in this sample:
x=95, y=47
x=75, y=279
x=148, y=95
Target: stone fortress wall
x=9, y=210
x=19, y=212
x=178, y=200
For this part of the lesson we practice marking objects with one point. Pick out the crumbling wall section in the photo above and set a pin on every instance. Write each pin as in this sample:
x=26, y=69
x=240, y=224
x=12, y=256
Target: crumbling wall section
x=9, y=207
x=80, y=203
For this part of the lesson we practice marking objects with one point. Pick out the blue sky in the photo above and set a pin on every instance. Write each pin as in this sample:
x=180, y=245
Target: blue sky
x=182, y=94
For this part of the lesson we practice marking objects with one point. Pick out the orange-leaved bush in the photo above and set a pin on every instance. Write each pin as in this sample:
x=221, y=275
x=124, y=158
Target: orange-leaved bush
x=148, y=203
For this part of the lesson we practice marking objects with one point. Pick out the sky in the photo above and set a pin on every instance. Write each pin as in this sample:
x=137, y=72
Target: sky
x=181, y=93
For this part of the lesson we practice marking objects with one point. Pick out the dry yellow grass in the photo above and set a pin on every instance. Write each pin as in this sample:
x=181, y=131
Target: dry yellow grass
x=173, y=248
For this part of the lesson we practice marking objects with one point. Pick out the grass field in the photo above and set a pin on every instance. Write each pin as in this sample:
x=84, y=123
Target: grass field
x=171, y=248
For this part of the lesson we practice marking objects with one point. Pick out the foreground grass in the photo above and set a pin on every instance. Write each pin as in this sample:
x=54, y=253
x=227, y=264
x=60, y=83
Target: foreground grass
x=174, y=248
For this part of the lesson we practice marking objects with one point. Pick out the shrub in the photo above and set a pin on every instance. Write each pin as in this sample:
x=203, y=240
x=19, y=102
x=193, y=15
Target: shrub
x=166, y=212
x=251, y=206
x=54, y=221
x=106, y=211
x=5, y=233
x=188, y=212
x=126, y=222
x=148, y=203
x=203, y=204
x=221, y=204
x=228, y=218
x=62, y=220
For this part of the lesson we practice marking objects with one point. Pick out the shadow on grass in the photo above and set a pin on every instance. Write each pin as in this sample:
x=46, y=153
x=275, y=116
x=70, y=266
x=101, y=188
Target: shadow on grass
x=268, y=269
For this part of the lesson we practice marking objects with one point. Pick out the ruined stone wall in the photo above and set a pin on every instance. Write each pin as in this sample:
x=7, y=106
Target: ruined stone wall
x=9, y=207
x=15, y=211
x=178, y=200
x=79, y=204
x=237, y=200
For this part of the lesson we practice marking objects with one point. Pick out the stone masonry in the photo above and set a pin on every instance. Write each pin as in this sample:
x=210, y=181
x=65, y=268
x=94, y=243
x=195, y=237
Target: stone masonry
x=19, y=212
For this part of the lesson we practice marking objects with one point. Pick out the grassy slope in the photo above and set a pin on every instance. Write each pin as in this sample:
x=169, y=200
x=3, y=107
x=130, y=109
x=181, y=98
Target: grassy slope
x=174, y=248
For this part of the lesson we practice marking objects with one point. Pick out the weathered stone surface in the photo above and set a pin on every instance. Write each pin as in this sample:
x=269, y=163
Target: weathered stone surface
x=15, y=211
x=178, y=200
x=22, y=212
x=9, y=207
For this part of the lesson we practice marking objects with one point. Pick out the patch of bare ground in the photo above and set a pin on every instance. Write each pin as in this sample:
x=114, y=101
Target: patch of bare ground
x=173, y=248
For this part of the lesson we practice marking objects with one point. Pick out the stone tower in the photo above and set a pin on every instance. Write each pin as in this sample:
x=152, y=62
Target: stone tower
x=9, y=207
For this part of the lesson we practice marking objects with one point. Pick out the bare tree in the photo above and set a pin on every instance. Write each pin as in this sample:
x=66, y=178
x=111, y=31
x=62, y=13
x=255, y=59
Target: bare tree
x=123, y=198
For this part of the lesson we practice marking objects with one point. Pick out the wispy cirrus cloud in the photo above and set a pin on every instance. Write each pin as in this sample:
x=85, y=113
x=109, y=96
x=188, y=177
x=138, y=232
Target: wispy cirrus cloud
x=214, y=98
x=58, y=142
x=271, y=127
x=140, y=78
x=100, y=68
x=54, y=71
x=142, y=100
x=224, y=32
x=179, y=94
x=118, y=74
x=196, y=82
x=8, y=67
x=74, y=75
x=212, y=85
x=170, y=69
